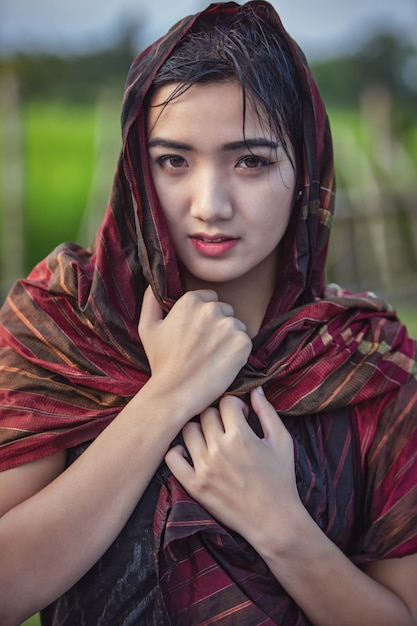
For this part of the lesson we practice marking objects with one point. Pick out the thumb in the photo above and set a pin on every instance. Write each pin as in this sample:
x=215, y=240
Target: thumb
x=151, y=313
x=268, y=417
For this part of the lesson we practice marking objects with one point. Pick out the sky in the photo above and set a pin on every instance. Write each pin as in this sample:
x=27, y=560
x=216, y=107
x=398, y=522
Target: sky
x=322, y=27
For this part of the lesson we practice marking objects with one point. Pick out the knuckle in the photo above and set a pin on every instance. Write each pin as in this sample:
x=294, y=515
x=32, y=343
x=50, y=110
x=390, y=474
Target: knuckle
x=211, y=311
x=190, y=298
x=211, y=307
x=245, y=344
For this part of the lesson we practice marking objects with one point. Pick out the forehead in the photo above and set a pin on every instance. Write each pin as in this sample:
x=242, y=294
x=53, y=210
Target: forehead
x=211, y=108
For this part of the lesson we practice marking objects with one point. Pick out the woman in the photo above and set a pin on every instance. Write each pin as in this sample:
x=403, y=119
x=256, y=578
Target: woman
x=291, y=505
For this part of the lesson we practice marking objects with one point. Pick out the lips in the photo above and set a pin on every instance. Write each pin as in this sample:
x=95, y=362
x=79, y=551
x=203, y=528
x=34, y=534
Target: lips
x=213, y=245
x=208, y=240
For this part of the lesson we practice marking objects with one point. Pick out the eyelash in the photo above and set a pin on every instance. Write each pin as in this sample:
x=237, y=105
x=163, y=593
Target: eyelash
x=166, y=161
x=260, y=161
x=162, y=161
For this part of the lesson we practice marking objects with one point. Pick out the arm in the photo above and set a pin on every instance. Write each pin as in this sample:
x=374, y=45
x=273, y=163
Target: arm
x=73, y=516
x=234, y=474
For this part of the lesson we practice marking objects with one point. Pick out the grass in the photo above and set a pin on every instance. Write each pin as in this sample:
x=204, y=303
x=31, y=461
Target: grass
x=59, y=154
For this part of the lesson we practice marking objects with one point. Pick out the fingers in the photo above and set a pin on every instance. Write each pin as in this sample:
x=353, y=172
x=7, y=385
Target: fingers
x=201, y=436
x=233, y=411
x=270, y=421
x=210, y=297
x=152, y=313
x=194, y=439
x=195, y=351
x=207, y=295
x=176, y=460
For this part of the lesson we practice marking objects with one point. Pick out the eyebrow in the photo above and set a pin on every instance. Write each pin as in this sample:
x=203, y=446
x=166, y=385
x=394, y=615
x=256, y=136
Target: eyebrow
x=261, y=142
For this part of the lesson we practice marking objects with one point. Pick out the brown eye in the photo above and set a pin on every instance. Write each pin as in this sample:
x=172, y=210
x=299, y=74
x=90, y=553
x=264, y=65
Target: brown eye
x=253, y=162
x=172, y=161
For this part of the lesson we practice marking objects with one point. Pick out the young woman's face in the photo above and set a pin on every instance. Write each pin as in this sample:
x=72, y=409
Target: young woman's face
x=226, y=191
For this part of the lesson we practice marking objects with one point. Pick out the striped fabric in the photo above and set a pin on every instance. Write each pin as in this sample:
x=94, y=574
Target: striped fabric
x=356, y=475
x=341, y=371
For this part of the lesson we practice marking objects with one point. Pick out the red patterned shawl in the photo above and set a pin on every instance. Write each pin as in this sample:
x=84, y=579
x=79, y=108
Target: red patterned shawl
x=70, y=354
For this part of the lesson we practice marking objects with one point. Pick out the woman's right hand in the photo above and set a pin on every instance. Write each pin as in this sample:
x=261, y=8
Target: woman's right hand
x=196, y=351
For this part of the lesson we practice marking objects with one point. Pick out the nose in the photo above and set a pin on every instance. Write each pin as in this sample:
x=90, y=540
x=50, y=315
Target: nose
x=211, y=196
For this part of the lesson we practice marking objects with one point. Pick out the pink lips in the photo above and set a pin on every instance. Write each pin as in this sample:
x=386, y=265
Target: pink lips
x=213, y=245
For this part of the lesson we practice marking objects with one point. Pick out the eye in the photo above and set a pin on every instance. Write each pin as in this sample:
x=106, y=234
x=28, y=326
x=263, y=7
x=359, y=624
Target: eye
x=171, y=161
x=252, y=162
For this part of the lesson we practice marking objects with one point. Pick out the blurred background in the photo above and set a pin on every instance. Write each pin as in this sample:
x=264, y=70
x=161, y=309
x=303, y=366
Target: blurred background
x=62, y=71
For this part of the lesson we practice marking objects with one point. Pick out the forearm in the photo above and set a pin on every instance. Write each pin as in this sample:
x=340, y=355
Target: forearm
x=49, y=541
x=63, y=529
x=326, y=585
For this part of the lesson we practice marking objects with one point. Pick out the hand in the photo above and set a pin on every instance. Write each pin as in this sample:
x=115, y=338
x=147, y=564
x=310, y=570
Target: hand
x=196, y=352
x=238, y=477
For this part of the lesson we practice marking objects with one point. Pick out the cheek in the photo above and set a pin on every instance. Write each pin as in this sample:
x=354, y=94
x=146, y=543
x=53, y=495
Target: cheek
x=274, y=230
x=275, y=210
x=169, y=202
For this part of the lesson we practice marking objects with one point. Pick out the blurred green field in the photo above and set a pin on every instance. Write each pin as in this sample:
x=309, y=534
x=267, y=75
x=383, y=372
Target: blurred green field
x=62, y=156
x=32, y=621
x=63, y=144
x=62, y=150
x=408, y=315
x=59, y=157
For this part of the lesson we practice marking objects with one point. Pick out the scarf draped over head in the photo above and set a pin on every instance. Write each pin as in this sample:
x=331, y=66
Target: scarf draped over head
x=70, y=355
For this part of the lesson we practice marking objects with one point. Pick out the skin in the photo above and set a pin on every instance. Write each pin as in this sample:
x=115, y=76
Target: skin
x=210, y=183
x=204, y=186
x=233, y=475
x=46, y=511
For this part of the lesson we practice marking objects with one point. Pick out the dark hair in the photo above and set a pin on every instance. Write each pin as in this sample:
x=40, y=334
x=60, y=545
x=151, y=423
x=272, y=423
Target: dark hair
x=242, y=47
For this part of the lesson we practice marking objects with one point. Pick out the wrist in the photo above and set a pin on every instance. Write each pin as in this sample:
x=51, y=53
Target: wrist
x=166, y=404
x=279, y=535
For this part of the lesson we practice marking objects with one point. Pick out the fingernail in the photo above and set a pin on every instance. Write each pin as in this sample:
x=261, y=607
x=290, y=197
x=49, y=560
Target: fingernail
x=260, y=390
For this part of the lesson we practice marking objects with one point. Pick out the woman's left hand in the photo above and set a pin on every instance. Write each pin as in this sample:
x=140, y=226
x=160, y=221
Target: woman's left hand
x=248, y=484
x=239, y=478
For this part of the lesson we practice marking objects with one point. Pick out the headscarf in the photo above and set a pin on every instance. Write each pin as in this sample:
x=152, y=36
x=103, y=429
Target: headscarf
x=71, y=357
